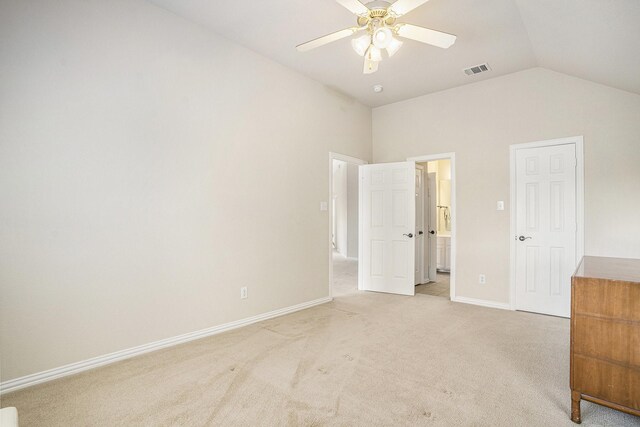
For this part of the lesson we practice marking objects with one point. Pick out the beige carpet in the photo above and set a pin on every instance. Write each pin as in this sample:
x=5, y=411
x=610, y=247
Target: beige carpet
x=365, y=359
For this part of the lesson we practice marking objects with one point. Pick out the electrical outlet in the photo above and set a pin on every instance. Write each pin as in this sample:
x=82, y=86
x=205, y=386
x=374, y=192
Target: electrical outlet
x=482, y=279
x=243, y=292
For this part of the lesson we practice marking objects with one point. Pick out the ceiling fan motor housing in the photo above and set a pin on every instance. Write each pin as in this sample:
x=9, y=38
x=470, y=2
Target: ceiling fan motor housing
x=378, y=13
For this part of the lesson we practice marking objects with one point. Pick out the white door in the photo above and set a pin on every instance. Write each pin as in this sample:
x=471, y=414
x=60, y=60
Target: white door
x=432, y=226
x=546, y=228
x=387, y=224
x=420, y=223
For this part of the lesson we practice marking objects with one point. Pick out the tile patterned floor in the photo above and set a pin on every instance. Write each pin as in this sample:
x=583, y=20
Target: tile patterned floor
x=439, y=288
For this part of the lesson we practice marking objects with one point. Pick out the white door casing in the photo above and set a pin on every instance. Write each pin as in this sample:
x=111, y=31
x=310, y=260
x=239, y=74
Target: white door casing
x=387, y=219
x=420, y=226
x=351, y=160
x=432, y=225
x=546, y=228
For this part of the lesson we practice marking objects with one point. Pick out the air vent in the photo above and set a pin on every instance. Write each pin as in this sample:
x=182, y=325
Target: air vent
x=477, y=69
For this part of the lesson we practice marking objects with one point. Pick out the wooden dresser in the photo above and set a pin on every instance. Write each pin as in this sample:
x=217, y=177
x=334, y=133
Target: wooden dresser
x=605, y=334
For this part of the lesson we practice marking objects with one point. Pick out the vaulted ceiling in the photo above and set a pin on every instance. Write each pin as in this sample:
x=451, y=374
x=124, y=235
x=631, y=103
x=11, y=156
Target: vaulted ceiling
x=598, y=40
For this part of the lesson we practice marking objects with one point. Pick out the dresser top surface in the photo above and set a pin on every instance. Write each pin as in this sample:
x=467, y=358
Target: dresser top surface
x=625, y=269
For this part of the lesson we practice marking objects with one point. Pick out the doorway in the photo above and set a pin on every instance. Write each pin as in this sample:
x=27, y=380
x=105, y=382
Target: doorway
x=343, y=219
x=389, y=193
x=439, y=225
x=546, y=224
x=433, y=228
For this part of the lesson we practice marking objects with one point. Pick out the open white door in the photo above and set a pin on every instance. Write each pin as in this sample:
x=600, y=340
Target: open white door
x=387, y=225
x=432, y=203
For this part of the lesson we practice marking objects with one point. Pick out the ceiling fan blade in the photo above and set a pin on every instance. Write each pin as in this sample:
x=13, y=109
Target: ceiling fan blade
x=425, y=35
x=354, y=7
x=321, y=41
x=402, y=7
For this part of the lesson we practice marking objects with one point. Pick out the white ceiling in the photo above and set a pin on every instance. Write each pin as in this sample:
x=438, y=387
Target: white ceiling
x=598, y=40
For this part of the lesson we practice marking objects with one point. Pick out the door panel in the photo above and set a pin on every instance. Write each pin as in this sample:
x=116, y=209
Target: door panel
x=387, y=217
x=546, y=220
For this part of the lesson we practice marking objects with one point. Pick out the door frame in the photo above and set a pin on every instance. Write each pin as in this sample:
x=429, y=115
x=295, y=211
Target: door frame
x=421, y=225
x=452, y=157
x=578, y=141
x=353, y=160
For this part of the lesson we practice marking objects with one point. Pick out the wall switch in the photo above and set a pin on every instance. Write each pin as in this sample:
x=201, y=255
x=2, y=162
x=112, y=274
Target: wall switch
x=500, y=205
x=243, y=292
x=482, y=279
x=323, y=206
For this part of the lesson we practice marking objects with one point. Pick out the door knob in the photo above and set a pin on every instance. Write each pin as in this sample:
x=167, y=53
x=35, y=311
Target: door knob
x=410, y=235
x=420, y=233
x=432, y=232
x=522, y=238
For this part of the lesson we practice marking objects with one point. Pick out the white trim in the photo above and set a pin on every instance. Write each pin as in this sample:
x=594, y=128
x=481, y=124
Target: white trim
x=483, y=303
x=75, y=368
x=454, y=218
x=578, y=141
x=360, y=241
x=421, y=226
x=354, y=161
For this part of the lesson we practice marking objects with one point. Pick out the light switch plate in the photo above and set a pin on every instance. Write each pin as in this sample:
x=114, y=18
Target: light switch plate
x=323, y=206
x=500, y=205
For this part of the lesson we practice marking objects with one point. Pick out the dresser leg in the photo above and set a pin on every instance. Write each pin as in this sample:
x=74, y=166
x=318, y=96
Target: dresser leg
x=575, y=407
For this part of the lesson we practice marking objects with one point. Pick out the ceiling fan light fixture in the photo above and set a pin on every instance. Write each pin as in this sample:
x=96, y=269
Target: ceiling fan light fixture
x=379, y=20
x=394, y=46
x=382, y=37
x=361, y=44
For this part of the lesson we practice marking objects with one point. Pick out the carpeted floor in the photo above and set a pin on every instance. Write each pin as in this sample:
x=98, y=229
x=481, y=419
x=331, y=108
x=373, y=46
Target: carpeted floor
x=366, y=359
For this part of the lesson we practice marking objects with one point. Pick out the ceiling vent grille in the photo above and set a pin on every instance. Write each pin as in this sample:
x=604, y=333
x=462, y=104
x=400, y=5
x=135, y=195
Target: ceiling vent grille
x=477, y=69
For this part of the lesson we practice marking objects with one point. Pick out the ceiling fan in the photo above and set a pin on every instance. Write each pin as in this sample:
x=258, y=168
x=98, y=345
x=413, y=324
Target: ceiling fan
x=378, y=19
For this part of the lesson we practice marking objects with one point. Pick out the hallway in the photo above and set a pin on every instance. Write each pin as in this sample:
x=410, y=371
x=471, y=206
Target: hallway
x=345, y=275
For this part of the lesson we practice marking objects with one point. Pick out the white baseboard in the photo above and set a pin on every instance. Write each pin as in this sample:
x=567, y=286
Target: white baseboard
x=85, y=365
x=482, y=302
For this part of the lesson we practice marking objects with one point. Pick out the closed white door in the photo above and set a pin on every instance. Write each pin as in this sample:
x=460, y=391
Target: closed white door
x=546, y=228
x=433, y=225
x=420, y=223
x=387, y=225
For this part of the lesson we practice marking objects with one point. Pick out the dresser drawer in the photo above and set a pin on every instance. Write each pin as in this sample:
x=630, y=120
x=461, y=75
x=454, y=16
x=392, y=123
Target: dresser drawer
x=607, y=381
x=613, y=340
x=620, y=300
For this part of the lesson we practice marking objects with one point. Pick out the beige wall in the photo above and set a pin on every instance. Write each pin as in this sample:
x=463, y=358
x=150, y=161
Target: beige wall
x=148, y=170
x=479, y=121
